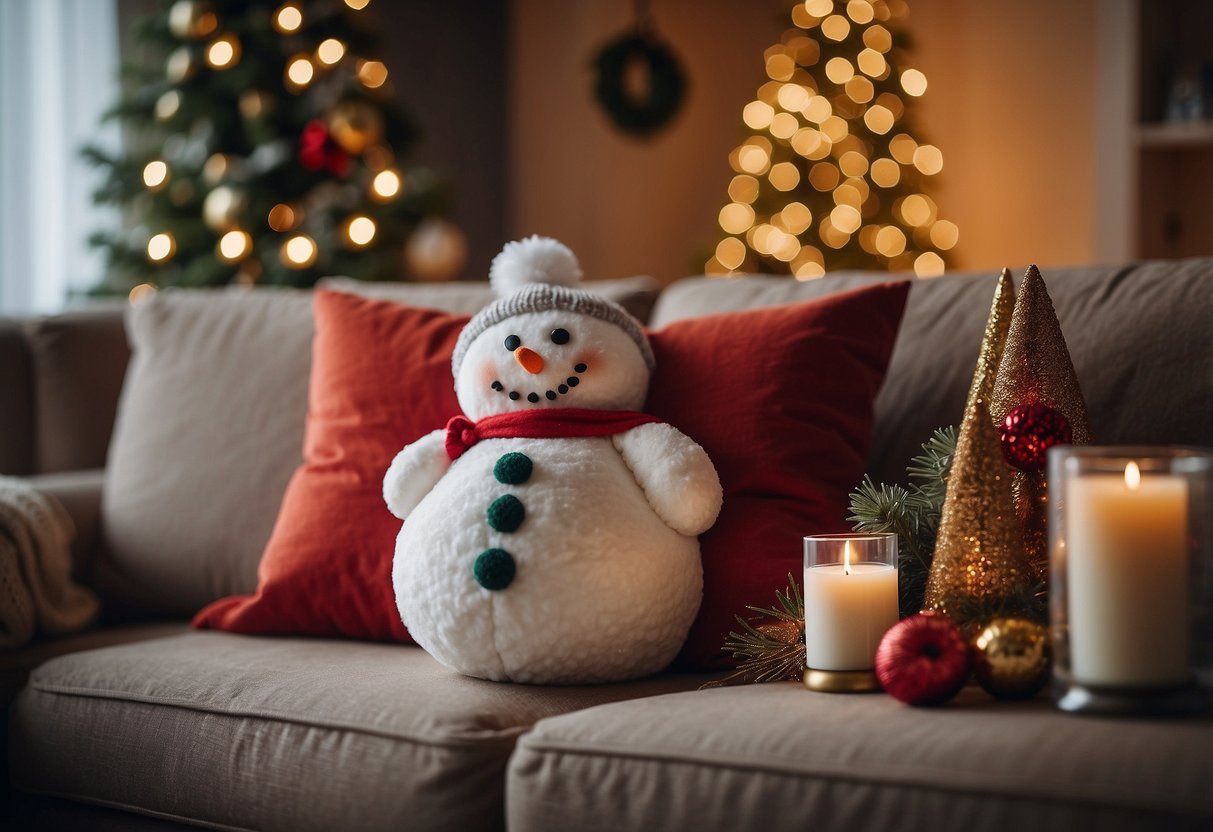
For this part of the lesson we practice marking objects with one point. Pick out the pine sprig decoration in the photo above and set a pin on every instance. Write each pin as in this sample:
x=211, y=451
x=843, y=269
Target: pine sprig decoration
x=911, y=512
x=768, y=652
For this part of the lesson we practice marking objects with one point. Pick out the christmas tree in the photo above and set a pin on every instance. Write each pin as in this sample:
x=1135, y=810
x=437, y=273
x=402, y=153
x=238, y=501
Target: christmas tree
x=263, y=146
x=832, y=175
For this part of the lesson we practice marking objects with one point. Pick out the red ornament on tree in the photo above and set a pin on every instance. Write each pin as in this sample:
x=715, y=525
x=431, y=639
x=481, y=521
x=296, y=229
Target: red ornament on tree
x=1027, y=433
x=319, y=150
x=923, y=660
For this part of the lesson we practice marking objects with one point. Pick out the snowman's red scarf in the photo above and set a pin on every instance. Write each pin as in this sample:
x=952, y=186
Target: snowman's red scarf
x=540, y=423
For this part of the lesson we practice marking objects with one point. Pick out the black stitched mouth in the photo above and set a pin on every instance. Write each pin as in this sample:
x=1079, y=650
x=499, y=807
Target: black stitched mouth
x=551, y=395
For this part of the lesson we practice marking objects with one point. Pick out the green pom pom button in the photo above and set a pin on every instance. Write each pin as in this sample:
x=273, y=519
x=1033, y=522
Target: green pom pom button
x=506, y=513
x=494, y=569
x=513, y=468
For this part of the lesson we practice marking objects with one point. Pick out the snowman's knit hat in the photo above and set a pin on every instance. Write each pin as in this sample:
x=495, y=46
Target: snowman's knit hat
x=539, y=297
x=537, y=274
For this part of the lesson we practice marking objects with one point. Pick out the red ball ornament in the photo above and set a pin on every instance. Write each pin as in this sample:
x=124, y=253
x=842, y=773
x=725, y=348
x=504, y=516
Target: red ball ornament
x=1028, y=432
x=923, y=660
x=318, y=150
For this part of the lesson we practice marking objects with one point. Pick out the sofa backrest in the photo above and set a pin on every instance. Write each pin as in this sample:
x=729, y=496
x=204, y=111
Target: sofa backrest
x=1140, y=336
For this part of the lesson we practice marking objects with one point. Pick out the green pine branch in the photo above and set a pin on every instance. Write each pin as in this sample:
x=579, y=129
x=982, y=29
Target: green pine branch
x=767, y=654
x=910, y=512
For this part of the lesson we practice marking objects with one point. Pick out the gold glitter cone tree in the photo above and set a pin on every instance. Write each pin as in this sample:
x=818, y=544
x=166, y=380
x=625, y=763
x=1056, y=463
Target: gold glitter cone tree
x=834, y=174
x=1037, y=388
x=979, y=569
x=993, y=342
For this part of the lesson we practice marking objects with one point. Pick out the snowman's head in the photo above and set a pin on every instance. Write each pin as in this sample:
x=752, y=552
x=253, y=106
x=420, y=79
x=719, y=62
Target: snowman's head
x=547, y=344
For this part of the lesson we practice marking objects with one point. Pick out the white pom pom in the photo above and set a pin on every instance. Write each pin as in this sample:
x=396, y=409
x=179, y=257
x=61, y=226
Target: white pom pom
x=533, y=260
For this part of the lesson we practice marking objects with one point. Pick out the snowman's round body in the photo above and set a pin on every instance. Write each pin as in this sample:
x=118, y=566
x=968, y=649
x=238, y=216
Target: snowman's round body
x=563, y=549
x=603, y=588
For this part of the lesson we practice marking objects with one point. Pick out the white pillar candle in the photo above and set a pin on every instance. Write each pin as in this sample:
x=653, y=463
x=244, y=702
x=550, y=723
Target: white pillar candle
x=1127, y=576
x=848, y=607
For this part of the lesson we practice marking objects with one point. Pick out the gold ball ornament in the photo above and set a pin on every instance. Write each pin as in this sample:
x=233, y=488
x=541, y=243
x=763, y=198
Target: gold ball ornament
x=1012, y=658
x=437, y=250
x=355, y=125
x=222, y=208
x=190, y=19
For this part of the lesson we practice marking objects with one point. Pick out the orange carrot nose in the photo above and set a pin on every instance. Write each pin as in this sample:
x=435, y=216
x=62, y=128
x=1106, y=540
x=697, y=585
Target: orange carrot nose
x=530, y=360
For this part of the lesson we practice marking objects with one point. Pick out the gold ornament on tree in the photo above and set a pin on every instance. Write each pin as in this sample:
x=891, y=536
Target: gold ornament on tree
x=1036, y=400
x=979, y=567
x=437, y=250
x=355, y=125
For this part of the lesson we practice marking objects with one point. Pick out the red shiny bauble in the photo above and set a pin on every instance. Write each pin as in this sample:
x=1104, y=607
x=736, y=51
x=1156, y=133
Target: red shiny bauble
x=1028, y=432
x=923, y=660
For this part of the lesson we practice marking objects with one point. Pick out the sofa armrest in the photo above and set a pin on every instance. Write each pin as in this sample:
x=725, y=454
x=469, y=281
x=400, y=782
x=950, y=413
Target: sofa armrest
x=80, y=494
x=16, y=400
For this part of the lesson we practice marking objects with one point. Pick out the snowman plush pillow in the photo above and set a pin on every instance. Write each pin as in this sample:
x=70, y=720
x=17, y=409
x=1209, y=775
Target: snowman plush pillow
x=551, y=530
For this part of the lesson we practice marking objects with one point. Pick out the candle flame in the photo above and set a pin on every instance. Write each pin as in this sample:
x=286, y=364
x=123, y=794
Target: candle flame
x=1132, y=476
x=846, y=558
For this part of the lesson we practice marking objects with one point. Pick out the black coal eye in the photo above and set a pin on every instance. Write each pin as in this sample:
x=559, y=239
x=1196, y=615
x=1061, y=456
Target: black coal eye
x=560, y=336
x=513, y=342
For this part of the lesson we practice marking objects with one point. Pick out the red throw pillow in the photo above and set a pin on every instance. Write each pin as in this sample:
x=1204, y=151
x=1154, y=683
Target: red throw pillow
x=781, y=399
x=381, y=378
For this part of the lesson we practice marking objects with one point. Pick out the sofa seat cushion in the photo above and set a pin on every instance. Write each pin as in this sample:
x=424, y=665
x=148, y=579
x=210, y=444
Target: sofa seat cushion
x=276, y=733
x=777, y=757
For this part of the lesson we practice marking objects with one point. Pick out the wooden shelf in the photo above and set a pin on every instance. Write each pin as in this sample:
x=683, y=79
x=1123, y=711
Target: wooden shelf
x=1175, y=134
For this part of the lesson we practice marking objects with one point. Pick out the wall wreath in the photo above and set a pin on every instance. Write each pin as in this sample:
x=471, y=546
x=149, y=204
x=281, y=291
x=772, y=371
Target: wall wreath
x=641, y=112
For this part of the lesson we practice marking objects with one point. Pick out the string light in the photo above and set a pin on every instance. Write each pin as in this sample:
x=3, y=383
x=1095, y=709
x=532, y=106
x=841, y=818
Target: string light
x=736, y=218
x=234, y=246
x=140, y=293
x=386, y=185
x=298, y=252
x=372, y=74
x=223, y=52
x=836, y=27
x=360, y=230
x=357, y=5
x=757, y=115
x=330, y=51
x=155, y=175
x=299, y=71
x=288, y=18
x=730, y=252
x=928, y=264
x=928, y=159
x=913, y=82
x=161, y=247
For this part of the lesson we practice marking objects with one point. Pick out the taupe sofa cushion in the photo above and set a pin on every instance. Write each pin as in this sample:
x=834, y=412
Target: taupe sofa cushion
x=777, y=757
x=282, y=734
x=1124, y=326
x=209, y=429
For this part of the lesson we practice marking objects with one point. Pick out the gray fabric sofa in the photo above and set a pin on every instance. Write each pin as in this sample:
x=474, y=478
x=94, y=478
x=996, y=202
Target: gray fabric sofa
x=142, y=722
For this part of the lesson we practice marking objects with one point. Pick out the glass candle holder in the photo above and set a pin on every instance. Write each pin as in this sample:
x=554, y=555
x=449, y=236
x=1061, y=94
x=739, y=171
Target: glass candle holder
x=850, y=601
x=1131, y=579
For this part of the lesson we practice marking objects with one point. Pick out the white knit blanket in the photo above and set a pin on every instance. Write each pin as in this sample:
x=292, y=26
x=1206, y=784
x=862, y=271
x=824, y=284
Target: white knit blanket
x=37, y=594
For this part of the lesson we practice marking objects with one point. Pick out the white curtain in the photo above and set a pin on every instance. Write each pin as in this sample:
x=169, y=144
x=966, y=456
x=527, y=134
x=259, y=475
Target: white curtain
x=58, y=73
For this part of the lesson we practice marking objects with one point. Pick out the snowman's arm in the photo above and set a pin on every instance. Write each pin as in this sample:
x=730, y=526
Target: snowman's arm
x=414, y=473
x=675, y=474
